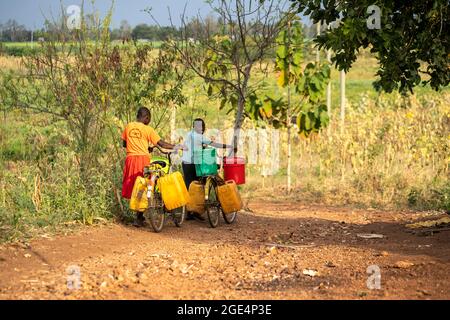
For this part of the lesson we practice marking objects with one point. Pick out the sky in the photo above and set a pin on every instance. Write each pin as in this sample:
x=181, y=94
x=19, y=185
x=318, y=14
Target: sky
x=31, y=12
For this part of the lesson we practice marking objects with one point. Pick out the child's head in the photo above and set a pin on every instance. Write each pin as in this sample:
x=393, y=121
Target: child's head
x=144, y=115
x=199, y=126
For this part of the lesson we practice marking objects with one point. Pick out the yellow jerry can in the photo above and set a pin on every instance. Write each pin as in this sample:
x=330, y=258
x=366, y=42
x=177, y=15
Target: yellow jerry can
x=197, y=195
x=139, y=200
x=229, y=197
x=173, y=191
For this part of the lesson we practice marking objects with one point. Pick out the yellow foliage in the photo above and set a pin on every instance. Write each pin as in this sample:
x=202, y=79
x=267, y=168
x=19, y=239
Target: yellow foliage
x=429, y=223
x=282, y=81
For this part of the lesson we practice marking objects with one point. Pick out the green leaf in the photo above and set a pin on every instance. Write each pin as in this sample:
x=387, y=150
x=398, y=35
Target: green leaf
x=324, y=119
x=308, y=122
x=282, y=52
x=223, y=103
x=297, y=58
x=267, y=108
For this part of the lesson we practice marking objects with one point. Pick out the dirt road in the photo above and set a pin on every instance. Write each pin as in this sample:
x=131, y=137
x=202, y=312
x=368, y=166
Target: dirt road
x=265, y=255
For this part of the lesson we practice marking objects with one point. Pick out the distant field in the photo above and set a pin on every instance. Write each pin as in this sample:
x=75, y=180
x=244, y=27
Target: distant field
x=359, y=82
x=18, y=44
x=156, y=44
x=22, y=49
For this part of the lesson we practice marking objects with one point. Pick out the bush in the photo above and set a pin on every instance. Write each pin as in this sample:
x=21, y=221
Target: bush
x=30, y=203
x=40, y=183
x=19, y=50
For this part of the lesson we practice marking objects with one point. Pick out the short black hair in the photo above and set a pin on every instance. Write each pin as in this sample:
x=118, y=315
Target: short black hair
x=143, y=112
x=203, y=124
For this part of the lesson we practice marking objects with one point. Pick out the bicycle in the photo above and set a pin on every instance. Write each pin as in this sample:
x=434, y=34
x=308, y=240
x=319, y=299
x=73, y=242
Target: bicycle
x=157, y=212
x=213, y=208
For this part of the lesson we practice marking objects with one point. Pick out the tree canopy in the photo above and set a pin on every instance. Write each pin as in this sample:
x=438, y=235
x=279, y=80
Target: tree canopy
x=411, y=44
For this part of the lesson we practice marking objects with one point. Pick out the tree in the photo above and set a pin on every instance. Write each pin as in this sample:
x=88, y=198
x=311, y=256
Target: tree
x=308, y=83
x=88, y=84
x=143, y=31
x=12, y=31
x=125, y=30
x=154, y=33
x=411, y=45
x=115, y=34
x=226, y=59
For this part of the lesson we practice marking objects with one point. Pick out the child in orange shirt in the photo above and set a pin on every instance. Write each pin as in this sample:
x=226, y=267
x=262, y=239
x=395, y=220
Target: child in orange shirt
x=137, y=138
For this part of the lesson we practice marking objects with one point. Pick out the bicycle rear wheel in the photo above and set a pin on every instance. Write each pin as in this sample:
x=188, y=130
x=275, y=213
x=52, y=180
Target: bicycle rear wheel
x=156, y=213
x=229, y=218
x=179, y=216
x=213, y=208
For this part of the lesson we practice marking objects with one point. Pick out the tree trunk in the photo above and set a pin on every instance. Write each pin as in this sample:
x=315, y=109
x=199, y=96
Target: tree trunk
x=289, y=152
x=288, y=115
x=318, y=34
x=238, y=123
x=240, y=108
x=343, y=100
x=173, y=118
x=329, y=91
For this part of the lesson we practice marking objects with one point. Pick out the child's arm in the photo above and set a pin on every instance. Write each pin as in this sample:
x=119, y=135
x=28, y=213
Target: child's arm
x=221, y=146
x=169, y=146
x=165, y=145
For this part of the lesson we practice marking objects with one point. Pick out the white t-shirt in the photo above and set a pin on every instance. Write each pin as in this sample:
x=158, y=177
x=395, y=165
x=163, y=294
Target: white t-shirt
x=194, y=141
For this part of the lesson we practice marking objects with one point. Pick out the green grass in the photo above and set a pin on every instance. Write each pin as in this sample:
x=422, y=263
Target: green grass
x=156, y=44
x=21, y=49
x=16, y=44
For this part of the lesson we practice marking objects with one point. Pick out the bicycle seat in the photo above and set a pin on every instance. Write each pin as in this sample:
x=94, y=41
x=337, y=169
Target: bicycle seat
x=160, y=163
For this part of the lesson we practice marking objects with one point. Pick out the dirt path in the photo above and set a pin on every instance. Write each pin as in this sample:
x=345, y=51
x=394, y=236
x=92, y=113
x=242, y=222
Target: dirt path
x=239, y=261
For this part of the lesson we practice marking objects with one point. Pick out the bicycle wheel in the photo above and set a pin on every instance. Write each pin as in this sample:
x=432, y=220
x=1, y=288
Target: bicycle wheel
x=179, y=215
x=213, y=206
x=229, y=218
x=156, y=213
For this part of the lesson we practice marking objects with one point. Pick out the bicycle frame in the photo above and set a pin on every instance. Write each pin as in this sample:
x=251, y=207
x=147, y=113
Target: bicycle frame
x=156, y=170
x=214, y=181
x=157, y=211
x=209, y=181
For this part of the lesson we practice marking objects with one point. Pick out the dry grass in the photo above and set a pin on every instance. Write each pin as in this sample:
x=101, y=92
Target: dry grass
x=389, y=155
x=10, y=63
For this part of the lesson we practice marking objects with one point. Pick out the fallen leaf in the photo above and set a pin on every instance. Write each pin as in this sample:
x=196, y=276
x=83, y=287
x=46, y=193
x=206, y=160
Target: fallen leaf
x=370, y=236
x=185, y=269
x=403, y=264
x=310, y=272
x=425, y=293
x=382, y=254
x=362, y=294
x=272, y=250
x=320, y=287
